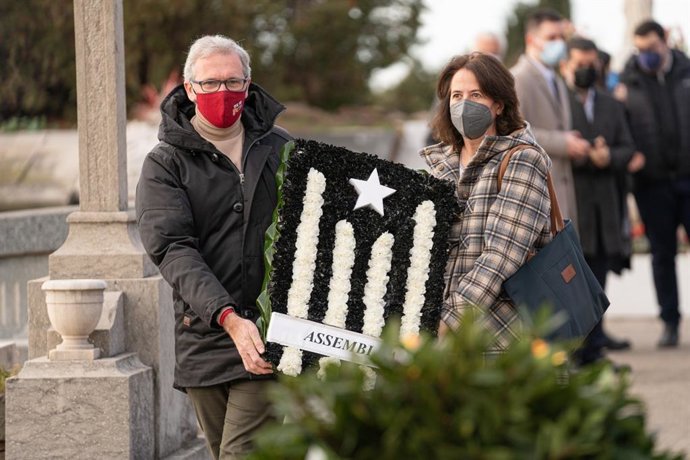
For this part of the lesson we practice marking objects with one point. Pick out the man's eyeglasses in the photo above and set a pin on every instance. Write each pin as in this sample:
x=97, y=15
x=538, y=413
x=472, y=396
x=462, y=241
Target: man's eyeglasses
x=231, y=84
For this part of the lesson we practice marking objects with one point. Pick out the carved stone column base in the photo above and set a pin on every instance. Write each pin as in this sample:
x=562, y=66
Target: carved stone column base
x=74, y=355
x=101, y=245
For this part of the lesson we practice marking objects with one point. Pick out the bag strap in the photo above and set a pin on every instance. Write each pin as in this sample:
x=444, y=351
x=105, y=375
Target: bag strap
x=557, y=223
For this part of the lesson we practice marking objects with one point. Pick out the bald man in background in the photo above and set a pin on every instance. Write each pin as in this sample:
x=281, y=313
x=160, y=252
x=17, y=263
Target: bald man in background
x=490, y=43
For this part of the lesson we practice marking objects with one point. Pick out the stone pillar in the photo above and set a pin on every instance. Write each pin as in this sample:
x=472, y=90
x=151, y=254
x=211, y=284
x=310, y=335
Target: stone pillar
x=103, y=241
x=635, y=12
x=100, y=53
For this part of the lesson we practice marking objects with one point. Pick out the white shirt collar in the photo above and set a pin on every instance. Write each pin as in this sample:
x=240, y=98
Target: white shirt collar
x=589, y=105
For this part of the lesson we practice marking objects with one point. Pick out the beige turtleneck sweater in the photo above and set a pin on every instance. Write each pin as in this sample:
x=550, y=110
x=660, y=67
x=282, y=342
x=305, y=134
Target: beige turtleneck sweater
x=228, y=140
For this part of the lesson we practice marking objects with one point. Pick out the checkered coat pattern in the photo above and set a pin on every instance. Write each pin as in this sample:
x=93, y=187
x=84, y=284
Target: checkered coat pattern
x=494, y=232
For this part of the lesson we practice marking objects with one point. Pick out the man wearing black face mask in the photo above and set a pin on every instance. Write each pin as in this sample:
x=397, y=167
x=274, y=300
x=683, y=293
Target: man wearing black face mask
x=601, y=120
x=656, y=92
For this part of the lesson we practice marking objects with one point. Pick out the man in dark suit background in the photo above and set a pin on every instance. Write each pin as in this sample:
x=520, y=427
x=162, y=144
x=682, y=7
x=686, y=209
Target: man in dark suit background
x=601, y=120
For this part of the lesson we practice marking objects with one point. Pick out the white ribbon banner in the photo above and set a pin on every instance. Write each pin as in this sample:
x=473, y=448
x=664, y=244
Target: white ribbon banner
x=321, y=338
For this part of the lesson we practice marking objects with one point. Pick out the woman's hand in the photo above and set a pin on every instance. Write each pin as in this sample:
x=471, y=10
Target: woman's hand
x=443, y=329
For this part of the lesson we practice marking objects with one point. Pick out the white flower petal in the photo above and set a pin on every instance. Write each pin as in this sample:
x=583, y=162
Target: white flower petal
x=291, y=361
x=377, y=281
x=418, y=271
x=339, y=287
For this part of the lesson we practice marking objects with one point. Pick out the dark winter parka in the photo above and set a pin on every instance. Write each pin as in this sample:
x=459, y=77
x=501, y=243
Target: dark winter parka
x=203, y=224
x=659, y=114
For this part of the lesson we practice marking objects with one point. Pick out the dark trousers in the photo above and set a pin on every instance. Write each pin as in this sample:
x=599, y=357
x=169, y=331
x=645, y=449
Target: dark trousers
x=230, y=414
x=594, y=343
x=663, y=207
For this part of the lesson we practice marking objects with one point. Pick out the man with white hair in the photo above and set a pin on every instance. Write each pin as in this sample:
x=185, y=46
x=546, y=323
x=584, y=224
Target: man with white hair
x=204, y=201
x=489, y=43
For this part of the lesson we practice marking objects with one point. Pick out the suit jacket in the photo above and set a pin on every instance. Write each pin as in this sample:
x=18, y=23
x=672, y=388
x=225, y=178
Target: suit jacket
x=549, y=119
x=599, y=196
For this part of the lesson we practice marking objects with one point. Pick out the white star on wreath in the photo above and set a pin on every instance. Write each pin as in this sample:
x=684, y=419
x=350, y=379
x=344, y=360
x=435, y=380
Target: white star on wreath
x=371, y=192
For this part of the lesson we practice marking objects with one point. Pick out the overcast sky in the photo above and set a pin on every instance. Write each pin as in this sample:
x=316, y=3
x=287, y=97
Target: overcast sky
x=449, y=27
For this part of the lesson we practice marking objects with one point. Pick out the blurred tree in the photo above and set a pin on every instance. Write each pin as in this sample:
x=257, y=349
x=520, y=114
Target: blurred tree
x=515, y=35
x=37, y=56
x=158, y=34
x=414, y=93
x=320, y=51
x=328, y=49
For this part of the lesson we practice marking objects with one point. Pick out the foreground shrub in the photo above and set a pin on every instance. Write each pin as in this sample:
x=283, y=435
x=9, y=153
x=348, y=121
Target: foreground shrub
x=450, y=401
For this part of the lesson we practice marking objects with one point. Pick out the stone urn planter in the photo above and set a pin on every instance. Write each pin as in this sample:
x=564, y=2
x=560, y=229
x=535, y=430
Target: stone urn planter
x=74, y=308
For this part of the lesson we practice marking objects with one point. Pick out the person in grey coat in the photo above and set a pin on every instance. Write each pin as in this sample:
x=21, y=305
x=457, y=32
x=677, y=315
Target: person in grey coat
x=601, y=120
x=204, y=201
x=544, y=102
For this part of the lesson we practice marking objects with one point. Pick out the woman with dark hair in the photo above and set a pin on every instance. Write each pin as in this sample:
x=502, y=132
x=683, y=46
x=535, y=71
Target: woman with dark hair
x=478, y=121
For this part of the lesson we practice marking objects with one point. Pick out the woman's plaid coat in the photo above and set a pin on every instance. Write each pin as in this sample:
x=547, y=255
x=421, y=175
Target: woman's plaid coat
x=494, y=232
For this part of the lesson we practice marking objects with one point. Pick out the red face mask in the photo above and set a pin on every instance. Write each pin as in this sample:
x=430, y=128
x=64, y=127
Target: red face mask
x=222, y=108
